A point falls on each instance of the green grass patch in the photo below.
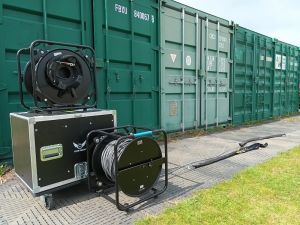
(3, 169)
(265, 194)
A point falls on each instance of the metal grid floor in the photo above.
(76, 205)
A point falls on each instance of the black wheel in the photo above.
(48, 201)
(128, 209)
(154, 190)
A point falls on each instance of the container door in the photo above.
(293, 79)
(21, 22)
(179, 69)
(253, 74)
(216, 67)
(286, 79)
(126, 44)
(296, 75)
(244, 88)
(264, 76)
(280, 81)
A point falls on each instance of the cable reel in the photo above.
(130, 162)
(58, 77)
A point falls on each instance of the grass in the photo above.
(265, 194)
(3, 169)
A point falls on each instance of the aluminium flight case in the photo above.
(49, 150)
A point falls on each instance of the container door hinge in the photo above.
(99, 63)
(155, 89)
(156, 49)
(229, 118)
(230, 61)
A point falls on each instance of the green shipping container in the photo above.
(21, 22)
(196, 68)
(265, 78)
(126, 39)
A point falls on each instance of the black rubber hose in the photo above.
(252, 147)
(230, 154)
(215, 159)
(242, 144)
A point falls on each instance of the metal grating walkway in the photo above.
(76, 206)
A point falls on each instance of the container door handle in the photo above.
(141, 78)
(117, 77)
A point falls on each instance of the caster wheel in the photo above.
(48, 201)
(154, 190)
(127, 210)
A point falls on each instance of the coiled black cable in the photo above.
(108, 157)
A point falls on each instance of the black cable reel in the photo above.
(132, 163)
(59, 77)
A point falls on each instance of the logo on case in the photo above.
(80, 146)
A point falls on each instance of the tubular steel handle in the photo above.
(20, 76)
(143, 134)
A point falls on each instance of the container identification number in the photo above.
(143, 16)
(137, 14)
(121, 9)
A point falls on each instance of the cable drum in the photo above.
(63, 77)
(139, 163)
(108, 157)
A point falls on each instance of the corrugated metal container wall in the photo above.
(286, 79)
(195, 68)
(21, 22)
(253, 76)
(127, 47)
(266, 77)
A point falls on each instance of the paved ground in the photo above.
(77, 206)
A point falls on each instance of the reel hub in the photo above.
(63, 77)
